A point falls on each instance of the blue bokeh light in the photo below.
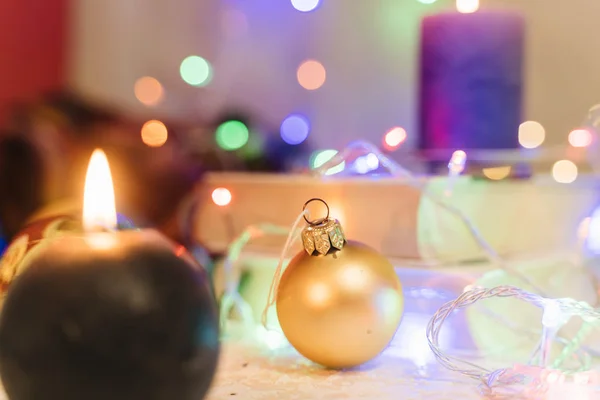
(295, 129)
(593, 232)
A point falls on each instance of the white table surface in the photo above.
(405, 371)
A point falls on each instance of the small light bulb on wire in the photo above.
(553, 319)
(553, 316)
(455, 167)
(394, 138)
(457, 162)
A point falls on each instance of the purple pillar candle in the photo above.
(471, 80)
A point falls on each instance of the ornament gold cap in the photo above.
(323, 235)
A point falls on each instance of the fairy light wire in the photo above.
(231, 298)
(572, 347)
(568, 307)
(415, 182)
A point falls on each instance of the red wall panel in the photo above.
(33, 48)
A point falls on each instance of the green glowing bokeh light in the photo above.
(320, 157)
(232, 135)
(196, 71)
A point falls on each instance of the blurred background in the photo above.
(174, 89)
(254, 49)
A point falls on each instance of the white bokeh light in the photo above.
(531, 134)
(564, 171)
(305, 5)
(467, 6)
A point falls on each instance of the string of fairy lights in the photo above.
(536, 377)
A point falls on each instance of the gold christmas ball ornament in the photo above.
(339, 302)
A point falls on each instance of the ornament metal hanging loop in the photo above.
(322, 235)
(316, 221)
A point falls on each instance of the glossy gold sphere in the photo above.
(342, 309)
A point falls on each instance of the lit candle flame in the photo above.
(99, 211)
(467, 6)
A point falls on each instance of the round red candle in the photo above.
(108, 314)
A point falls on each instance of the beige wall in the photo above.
(115, 42)
(563, 61)
(369, 48)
